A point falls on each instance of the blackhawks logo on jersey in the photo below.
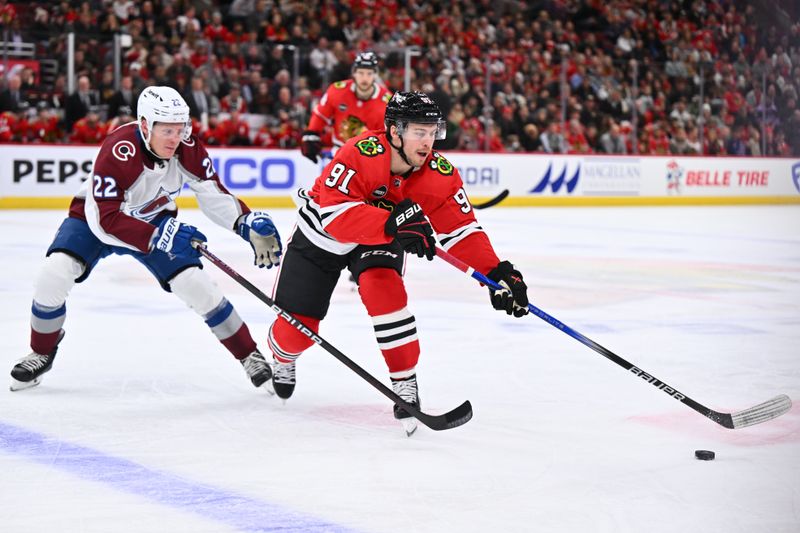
(351, 127)
(340, 84)
(440, 164)
(370, 146)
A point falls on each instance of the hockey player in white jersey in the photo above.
(127, 207)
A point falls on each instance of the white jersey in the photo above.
(129, 188)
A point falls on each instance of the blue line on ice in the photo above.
(240, 512)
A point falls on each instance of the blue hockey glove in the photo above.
(176, 238)
(513, 297)
(258, 230)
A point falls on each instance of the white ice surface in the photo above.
(146, 424)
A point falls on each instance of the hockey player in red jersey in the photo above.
(127, 207)
(383, 195)
(349, 107)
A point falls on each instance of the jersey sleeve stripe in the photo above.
(310, 223)
(329, 214)
(448, 240)
(327, 120)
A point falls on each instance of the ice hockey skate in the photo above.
(406, 388)
(257, 368)
(29, 370)
(283, 379)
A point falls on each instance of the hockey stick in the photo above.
(457, 417)
(748, 417)
(494, 201)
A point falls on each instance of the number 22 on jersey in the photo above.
(104, 187)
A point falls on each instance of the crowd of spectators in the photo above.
(562, 76)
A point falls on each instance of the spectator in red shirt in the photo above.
(215, 134)
(238, 130)
(267, 135)
(88, 130)
(44, 127)
(8, 127)
(217, 31)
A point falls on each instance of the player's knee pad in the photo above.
(286, 341)
(382, 291)
(56, 278)
(197, 290)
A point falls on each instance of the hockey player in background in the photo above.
(127, 207)
(349, 107)
(383, 195)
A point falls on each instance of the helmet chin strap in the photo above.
(146, 142)
(399, 149)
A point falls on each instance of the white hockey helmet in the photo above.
(162, 104)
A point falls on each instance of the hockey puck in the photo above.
(704, 455)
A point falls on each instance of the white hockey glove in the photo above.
(258, 230)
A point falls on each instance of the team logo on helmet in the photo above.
(366, 60)
(370, 146)
(440, 164)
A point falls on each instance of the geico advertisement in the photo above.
(53, 171)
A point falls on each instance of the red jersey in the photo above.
(349, 203)
(8, 126)
(43, 129)
(86, 132)
(348, 115)
(128, 188)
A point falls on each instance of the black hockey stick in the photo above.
(748, 417)
(494, 201)
(457, 417)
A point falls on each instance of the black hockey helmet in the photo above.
(413, 107)
(366, 60)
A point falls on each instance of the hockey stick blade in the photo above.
(749, 417)
(492, 202)
(754, 415)
(452, 419)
